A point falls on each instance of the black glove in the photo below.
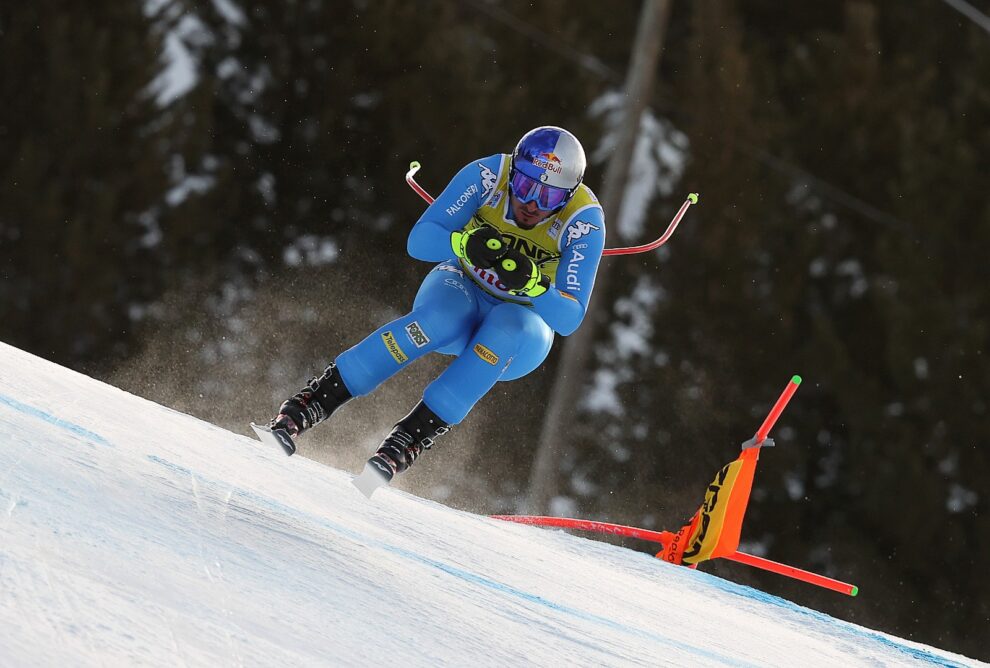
(482, 246)
(520, 275)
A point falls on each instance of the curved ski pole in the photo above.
(414, 167)
(630, 250)
(411, 180)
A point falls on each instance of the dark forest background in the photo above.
(203, 202)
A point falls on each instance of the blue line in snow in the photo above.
(454, 571)
(725, 585)
(52, 420)
(573, 612)
(762, 596)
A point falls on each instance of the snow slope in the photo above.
(133, 534)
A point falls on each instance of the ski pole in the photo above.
(411, 180)
(692, 198)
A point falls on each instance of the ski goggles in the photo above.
(527, 189)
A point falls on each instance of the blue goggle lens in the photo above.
(527, 189)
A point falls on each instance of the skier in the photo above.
(518, 240)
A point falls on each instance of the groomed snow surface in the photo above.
(131, 534)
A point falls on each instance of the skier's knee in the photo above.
(531, 338)
(521, 325)
(510, 319)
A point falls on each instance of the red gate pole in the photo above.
(792, 572)
(778, 408)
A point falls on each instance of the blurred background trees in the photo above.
(203, 203)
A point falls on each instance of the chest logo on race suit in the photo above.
(496, 198)
(527, 247)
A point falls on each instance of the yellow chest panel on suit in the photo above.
(541, 243)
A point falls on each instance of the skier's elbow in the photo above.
(567, 323)
(429, 241)
(568, 327)
(561, 311)
(418, 244)
(413, 247)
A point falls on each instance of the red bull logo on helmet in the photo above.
(549, 162)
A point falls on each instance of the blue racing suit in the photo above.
(464, 311)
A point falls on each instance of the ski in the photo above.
(371, 478)
(279, 437)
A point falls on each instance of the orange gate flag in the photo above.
(714, 530)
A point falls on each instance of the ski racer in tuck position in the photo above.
(518, 240)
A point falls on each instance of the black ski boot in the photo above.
(313, 404)
(410, 436)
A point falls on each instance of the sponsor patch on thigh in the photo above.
(416, 334)
(485, 354)
(393, 348)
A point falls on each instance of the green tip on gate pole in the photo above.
(693, 197)
(796, 380)
(854, 591)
